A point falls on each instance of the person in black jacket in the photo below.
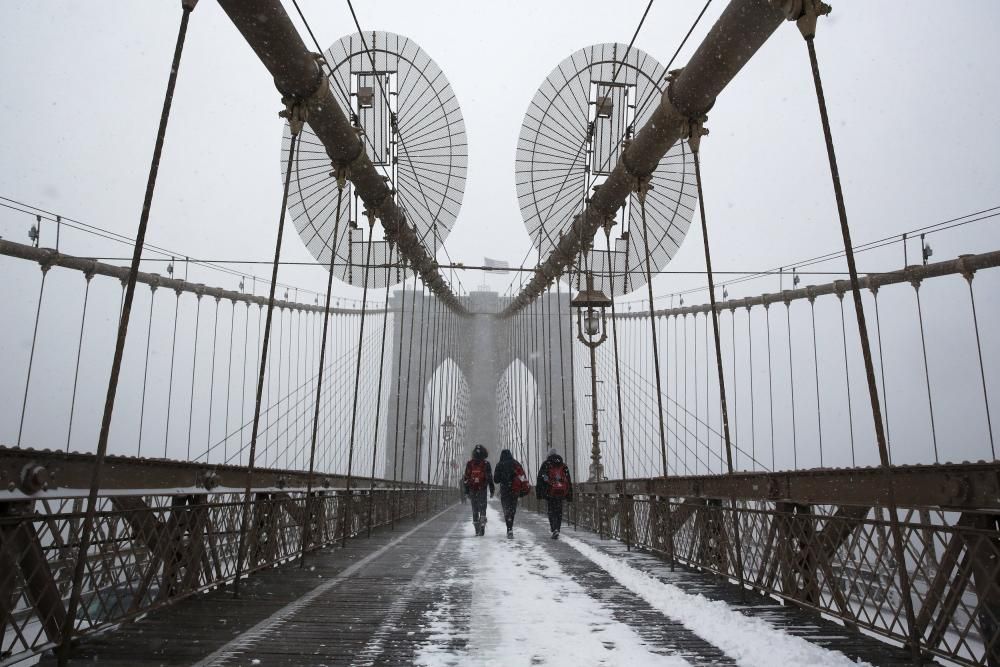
(555, 486)
(504, 475)
(477, 479)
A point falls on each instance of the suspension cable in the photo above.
(295, 123)
(102, 441)
(357, 380)
(31, 356)
(643, 187)
(695, 143)
(307, 521)
(807, 26)
(79, 349)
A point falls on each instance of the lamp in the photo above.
(592, 330)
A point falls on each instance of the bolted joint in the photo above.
(188, 5)
(34, 478)
(804, 13)
(696, 130)
(295, 112)
(643, 184)
(342, 173)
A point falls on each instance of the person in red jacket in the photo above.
(554, 486)
(477, 479)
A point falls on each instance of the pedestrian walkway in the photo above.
(434, 594)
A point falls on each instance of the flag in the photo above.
(494, 264)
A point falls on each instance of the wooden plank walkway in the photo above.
(431, 593)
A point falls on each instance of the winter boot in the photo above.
(555, 534)
(510, 533)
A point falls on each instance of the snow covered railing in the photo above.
(829, 556)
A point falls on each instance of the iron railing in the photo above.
(833, 558)
(154, 547)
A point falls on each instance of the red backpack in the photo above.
(558, 480)
(520, 486)
(475, 475)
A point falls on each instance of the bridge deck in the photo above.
(431, 593)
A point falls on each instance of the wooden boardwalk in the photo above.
(432, 593)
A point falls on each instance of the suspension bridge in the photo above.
(197, 474)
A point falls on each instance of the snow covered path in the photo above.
(535, 601)
(431, 593)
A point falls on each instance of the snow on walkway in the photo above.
(750, 641)
(524, 610)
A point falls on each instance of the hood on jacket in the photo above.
(505, 455)
(479, 453)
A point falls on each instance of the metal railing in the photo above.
(834, 558)
(154, 547)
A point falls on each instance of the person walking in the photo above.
(555, 486)
(513, 482)
(477, 479)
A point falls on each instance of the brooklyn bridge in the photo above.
(780, 431)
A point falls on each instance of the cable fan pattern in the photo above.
(414, 134)
(572, 136)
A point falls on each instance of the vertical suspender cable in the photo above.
(129, 292)
(982, 372)
(807, 26)
(145, 368)
(307, 513)
(562, 367)
(770, 381)
(847, 375)
(694, 142)
(229, 378)
(642, 190)
(31, 356)
(194, 368)
(79, 349)
(618, 387)
(399, 376)
(357, 379)
(170, 381)
(295, 123)
(819, 412)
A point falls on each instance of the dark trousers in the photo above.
(478, 506)
(555, 513)
(509, 502)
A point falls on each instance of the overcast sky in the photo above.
(912, 90)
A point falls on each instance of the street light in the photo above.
(592, 330)
(448, 434)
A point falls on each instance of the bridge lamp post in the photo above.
(448, 434)
(592, 330)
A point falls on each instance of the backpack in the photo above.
(520, 486)
(476, 476)
(558, 480)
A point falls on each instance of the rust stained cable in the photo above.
(129, 293)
